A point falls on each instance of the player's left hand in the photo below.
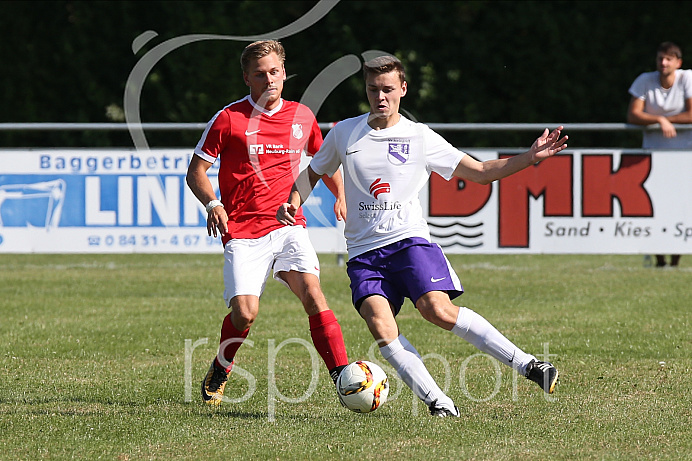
(548, 144)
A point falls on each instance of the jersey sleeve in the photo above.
(315, 140)
(441, 157)
(215, 134)
(686, 81)
(638, 87)
(327, 160)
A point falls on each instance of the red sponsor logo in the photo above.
(377, 187)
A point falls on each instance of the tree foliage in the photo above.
(467, 61)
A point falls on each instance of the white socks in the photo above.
(469, 326)
(410, 367)
(479, 332)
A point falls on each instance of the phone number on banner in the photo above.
(153, 241)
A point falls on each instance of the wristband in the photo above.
(213, 204)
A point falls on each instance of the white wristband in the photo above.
(213, 204)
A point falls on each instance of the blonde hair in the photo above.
(260, 49)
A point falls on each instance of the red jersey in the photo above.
(259, 153)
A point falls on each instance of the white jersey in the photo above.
(667, 102)
(384, 170)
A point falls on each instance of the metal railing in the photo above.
(326, 126)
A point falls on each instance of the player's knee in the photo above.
(243, 317)
(313, 299)
(429, 310)
(244, 320)
(435, 311)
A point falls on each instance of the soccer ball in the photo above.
(362, 387)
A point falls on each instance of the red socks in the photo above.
(324, 330)
(327, 338)
(231, 340)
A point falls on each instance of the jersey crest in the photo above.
(297, 130)
(398, 152)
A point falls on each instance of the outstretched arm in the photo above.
(302, 187)
(547, 145)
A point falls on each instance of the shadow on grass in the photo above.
(79, 405)
(337, 416)
(236, 414)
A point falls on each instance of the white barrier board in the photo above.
(129, 201)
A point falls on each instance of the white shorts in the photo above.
(248, 261)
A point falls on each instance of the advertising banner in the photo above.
(127, 201)
(591, 201)
(119, 201)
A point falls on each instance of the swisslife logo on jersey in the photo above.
(377, 187)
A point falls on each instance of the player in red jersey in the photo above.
(259, 141)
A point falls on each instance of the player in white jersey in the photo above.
(387, 159)
(382, 190)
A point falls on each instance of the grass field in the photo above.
(102, 356)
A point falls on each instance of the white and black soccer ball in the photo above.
(362, 386)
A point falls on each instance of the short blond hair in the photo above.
(260, 49)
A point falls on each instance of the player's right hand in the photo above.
(286, 214)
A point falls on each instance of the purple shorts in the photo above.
(405, 269)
